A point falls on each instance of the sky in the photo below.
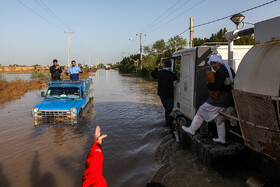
(33, 31)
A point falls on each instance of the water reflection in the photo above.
(4, 182)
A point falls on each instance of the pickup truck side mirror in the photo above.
(85, 94)
(43, 94)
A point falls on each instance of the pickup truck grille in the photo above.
(54, 113)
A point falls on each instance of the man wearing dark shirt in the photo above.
(165, 86)
(55, 70)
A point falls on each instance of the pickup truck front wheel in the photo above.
(80, 113)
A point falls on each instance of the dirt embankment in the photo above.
(15, 89)
(23, 69)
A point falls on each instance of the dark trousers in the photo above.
(168, 105)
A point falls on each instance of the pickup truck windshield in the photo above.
(63, 92)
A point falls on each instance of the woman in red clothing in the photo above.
(93, 173)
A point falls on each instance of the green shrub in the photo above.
(38, 75)
(2, 78)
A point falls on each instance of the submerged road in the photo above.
(138, 148)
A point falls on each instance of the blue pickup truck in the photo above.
(64, 99)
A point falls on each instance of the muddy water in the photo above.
(12, 77)
(138, 148)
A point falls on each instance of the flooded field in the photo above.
(12, 77)
(138, 148)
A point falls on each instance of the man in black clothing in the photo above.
(165, 86)
(55, 70)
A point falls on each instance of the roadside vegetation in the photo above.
(158, 51)
(2, 78)
(38, 75)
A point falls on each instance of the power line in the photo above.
(161, 15)
(231, 15)
(183, 32)
(219, 19)
(43, 5)
(36, 13)
(169, 14)
(178, 16)
(137, 52)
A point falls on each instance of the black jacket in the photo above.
(55, 72)
(225, 96)
(165, 82)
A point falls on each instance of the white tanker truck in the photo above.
(255, 124)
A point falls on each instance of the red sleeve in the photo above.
(93, 172)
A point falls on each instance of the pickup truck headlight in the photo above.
(34, 112)
(73, 112)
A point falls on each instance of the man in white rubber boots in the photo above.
(219, 87)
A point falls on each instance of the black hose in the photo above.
(246, 32)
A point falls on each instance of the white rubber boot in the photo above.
(221, 130)
(196, 123)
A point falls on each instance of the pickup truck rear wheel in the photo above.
(91, 96)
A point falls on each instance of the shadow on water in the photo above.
(4, 182)
(69, 164)
(37, 179)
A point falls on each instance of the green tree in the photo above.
(245, 40)
(220, 37)
(128, 64)
(148, 50)
(159, 46)
(176, 43)
(199, 41)
(100, 65)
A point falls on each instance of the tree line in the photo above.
(159, 50)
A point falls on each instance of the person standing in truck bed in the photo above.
(55, 70)
(74, 71)
(165, 86)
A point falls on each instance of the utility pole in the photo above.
(141, 48)
(191, 31)
(89, 61)
(69, 33)
(96, 62)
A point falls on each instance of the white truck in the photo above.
(254, 131)
(191, 89)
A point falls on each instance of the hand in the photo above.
(97, 135)
(57, 67)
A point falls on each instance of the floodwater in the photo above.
(138, 148)
(24, 77)
(12, 77)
